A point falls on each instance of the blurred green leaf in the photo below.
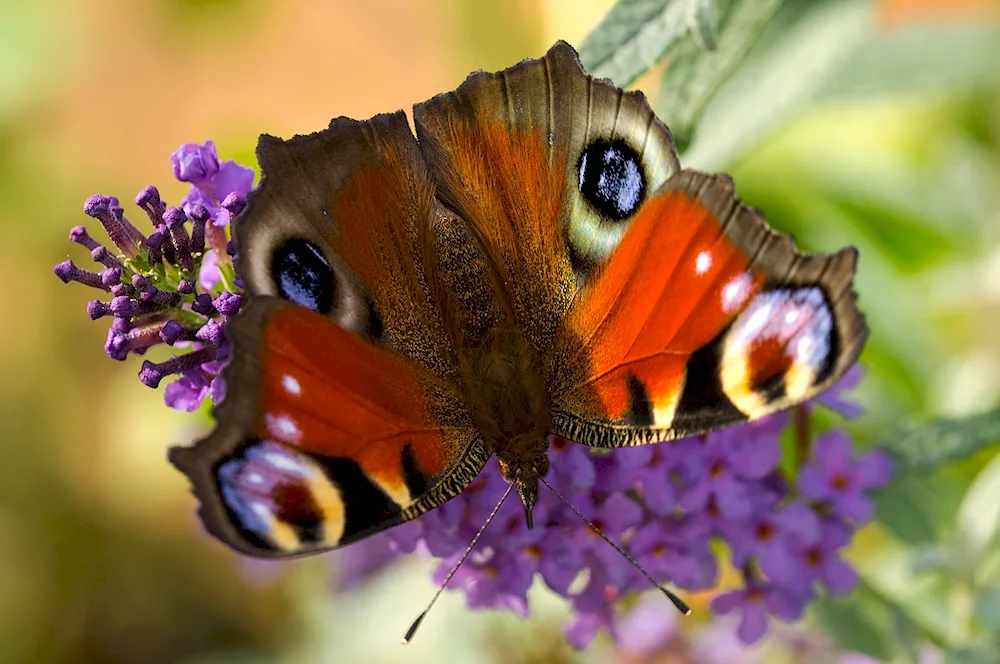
(632, 37)
(988, 607)
(902, 508)
(804, 44)
(703, 20)
(920, 58)
(979, 514)
(924, 446)
(693, 74)
(931, 559)
(846, 620)
(909, 244)
(980, 654)
(905, 633)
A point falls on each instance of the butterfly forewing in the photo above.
(344, 414)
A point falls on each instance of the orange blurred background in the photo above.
(101, 559)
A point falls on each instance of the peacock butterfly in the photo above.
(534, 261)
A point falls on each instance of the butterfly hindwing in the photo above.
(343, 415)
(703, 317)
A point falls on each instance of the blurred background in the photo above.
(875, 124)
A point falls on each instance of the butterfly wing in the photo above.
(342, 416)
(702, 317)
(516, 155)
(653, 295)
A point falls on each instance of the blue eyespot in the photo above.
(303, 275)
(612, 178)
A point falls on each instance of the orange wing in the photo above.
(343, 414)
(702, 317)
(342, 439)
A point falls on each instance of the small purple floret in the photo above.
(195, 163)
(200, 217)
(203, 305)
(174, 219)
(155, 296)
(154, 245)
(67, 271)
(123, 307)
(151, 374)
(149, 200)
(111, 276)
(97, 309)
(212, 332)
(104, 209)
(79, 235)
(101, 255)
(228, 304)
(96, 206)
(172, 332)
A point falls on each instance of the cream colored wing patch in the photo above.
(777, 350)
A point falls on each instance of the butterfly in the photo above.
(533, 261)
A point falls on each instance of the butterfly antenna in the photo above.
(677, 601)
(416, 623)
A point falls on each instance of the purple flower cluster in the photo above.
(649, 635)
(666, 504)
(174, 285)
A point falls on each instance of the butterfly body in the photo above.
(511, 407)
(532, 262)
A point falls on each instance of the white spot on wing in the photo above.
(735, 293)
(703, 262)
(284, 462)
(291, 385)
(283, 428)
(262, 511)
(758, 319)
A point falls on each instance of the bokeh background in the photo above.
(891, 143)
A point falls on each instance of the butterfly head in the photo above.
(526, 460)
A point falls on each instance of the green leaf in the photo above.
(950, 55)
(932, 559)
(778, 79)
(905, 633)
(979, 654)
(902, 508)
(988, 608)
(909, 244)
(632, 37)
(693, 75)
(918, 447)
(979, 514)
(846, 620)
(703, 21)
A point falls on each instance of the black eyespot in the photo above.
(612, 179)
(303, 275)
